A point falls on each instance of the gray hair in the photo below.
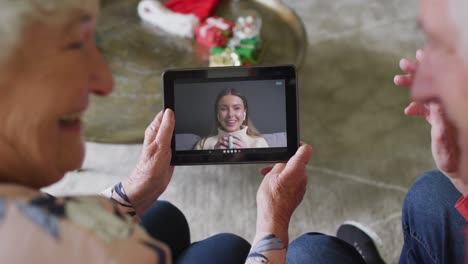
(15, 15)
(458, 13)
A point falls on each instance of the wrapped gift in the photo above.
(224, 57)
(247, 55)
(215, 31)
(247, 49)
(217, 50)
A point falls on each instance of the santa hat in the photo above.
(200, 8)
(178, 17)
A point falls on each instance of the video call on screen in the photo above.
(200, 120)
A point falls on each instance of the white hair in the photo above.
(458, 12)
(15, 15)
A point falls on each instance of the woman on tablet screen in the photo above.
(233, 128)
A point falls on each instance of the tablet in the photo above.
(232, 115)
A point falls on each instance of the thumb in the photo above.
(166, 129)
(437, 118)
(152, 130)
(298, 162)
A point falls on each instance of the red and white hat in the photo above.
(177, 17)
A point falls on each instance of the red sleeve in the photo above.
(462, 206)
(466, 246)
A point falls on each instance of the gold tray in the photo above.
(138, 54)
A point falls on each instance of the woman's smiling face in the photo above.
(45, 93)
(231, 113)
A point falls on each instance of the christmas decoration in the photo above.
(248, 27)
(215, 31)
(224, 57)
(177, 17)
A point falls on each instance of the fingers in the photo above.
(220, 145)
(265, 170)
(223, 143)
(152, 129)
(278, 168)
(419, 55)
(238, 143)
(164, 135)
(300, 159)
(298, 162)
(409, 66)
(415, 109)
(403, 80)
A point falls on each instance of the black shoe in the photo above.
(361, 239)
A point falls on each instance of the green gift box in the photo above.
(247, 55)
(248, 50)
(217, 50)
(249, 43)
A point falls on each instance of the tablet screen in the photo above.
(231, 119)
(242, 111)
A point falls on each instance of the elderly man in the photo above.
(435, 211)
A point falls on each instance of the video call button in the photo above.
(231, 151)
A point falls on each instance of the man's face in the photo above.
(443, 72)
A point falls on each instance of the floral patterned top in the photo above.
(39, 228)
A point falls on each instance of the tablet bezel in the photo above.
(219, 74)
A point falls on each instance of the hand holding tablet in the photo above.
(232, 114)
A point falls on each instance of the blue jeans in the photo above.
(432, 227)
(166, 223)
(321, 249)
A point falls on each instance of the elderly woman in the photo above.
(49, 66)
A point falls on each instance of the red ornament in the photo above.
(215, 31)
